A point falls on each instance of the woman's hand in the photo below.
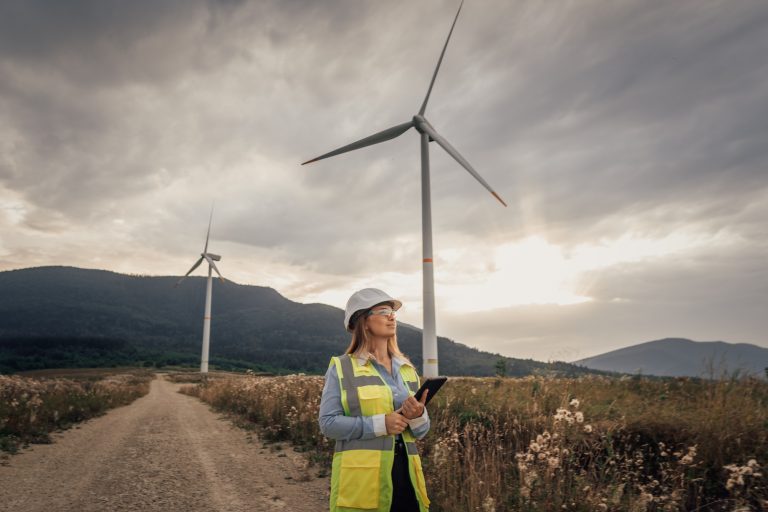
(413, 408)
(395, 423)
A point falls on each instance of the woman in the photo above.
(369, 409)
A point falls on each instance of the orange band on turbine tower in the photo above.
(427, 260)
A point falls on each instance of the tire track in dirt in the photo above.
(165, 451)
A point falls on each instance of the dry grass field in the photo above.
(537, 444)
(32, 407)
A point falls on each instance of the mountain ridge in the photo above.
(54, 310)
(677, 357)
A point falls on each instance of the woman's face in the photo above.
(381, 321)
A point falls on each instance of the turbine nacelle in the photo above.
(214, 257)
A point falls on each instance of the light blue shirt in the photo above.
(333, 422)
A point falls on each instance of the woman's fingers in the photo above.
(414, 408)
(395, 423)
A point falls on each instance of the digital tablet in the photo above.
(432, 385)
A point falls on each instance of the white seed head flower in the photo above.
(563, 414)
(575, 403)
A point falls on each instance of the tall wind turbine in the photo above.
(427, 134)
(210, 258)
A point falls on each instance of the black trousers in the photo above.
(403, 495)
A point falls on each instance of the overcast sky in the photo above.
(629, 138)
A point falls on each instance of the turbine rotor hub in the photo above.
(419, 122)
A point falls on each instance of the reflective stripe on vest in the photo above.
(350, 382)
(361, 477)
(384, 443)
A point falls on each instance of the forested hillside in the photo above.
(63, 316)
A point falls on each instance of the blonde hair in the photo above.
(361, 343)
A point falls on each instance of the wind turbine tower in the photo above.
(210, 258)
(427, 134)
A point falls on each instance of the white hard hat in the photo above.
(366, 299)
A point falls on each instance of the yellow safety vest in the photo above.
(362, 470)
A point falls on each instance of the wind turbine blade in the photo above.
(208, 234)
(384, 135)
(214, 267)
(197, 264)
(440, 61)
(457, 156)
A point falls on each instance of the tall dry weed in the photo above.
(539, 444)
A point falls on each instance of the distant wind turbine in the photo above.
(428, 134)
(210, 258)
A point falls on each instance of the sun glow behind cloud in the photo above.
(529, 271)
(536, 271)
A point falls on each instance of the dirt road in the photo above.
(165, 452)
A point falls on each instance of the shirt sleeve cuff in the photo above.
(418, 422)
(379, 425)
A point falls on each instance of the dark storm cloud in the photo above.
(101, 97)
(627, 108)
(667, 134)
(643, 103)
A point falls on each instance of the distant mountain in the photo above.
(681, 357)
(68, 317)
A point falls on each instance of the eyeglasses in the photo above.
(383, 312)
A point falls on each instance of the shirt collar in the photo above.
(364, 357)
